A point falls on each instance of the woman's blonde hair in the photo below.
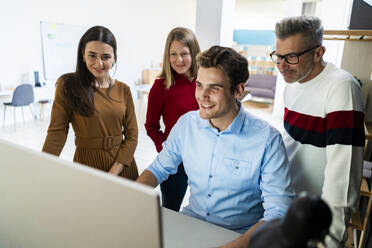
(188, 38)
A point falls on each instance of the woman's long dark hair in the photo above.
(80, 86)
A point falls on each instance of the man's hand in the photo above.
(147, 178)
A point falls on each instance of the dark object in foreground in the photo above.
(305, 224)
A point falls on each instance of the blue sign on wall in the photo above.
(254, 37)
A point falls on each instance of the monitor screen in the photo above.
(49, 202)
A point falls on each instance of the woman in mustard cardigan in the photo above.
(99, 108)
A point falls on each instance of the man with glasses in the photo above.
(323, 120)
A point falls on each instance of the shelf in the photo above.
(348, 35)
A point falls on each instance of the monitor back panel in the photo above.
(48, 202)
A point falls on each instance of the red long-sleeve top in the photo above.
(171, 104)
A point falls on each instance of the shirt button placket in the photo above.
(210, 182)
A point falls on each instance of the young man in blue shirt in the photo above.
(236, 164)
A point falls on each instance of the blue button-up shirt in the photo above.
(237, 176)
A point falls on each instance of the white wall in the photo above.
(214, 22)
(258, 15)
(140, 28)
(209, 34)
(339, 19)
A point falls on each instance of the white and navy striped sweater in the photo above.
(324, 137)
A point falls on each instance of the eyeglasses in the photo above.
(290, 58)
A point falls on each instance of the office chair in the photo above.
(23, 96)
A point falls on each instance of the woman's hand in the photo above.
(116, 168)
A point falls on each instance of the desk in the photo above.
(39, 92)
(6, 93)
(181, 231)
(45, 92)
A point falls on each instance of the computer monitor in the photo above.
(48, 202)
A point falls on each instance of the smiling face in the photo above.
(301, 72)
(180, 58)
(99, 58)
(213, 94)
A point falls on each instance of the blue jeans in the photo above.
(173, 189)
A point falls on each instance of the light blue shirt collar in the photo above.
(234, 127)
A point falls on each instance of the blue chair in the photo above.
(23, 96)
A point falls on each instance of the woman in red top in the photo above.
(171, 96)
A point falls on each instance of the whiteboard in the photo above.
(59, 44)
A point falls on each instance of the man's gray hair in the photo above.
(309, 26)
